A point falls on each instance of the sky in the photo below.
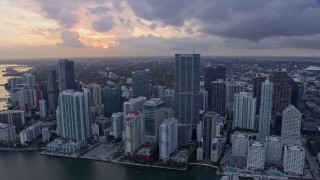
(94, 28)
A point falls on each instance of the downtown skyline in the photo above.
(96, 28)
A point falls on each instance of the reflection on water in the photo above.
(3, 79)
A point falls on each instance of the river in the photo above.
(33, 166)
(3, 79)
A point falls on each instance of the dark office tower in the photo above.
(187, 88)
(257, 82)
(53, 92)
(218, 97)
(66, 74)
(213, 73)
(111, 99)
(209, 133)
(140, 83)
(282, 90)
(298, 93)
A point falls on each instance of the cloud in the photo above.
(99, 10)
(103, 24)
(245, 19)
(70, 38)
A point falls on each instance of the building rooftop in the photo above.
(257, 144)
(5, 126)
(153, 102)
(294, 147)
(132, 114)
(134, 100)
(240, 135)
(313, 68)
(274, 138)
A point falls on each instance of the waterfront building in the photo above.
(13, 117)
(66, 147)
(30, 133)
(46, 134)
(209, 133)
(7, 133)
(117, 124)
(140, 83)
(291, 123)
(111, 99)
(153, 116)
(265, 115)
(240, 144)
(66, 74)
(187, 89)
(244, 110)
(133, 132)
(256, 155)
(74, 115)
(168, 139)
(274, 148)
(293, 159)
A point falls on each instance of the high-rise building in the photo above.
(66, 74)
(274, 148)
(95, 95)
(140, 83)
(133, 132)
(158, 91)
(256, 155)
(282, 89)
(240, 144)
(29, 80)
(187, 88)
(168, 138)
(209, 133)
(134, 104)
(111, 99)
(298, 93)
(117, 124)
(53, 92)
(213, 73)
(244, 110)
(30, 133)
(293, 159)
(232, 88)
(291, 123)
(218, 97)
(257, 84)
(73, 116)
(13, 117)
(43, 108)
(46, 134)
(265, 115)
(153, 116)
(204, 100)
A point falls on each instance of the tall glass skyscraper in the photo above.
(140, 83)
(265, 115)
(73, 116)
(111, 99)
(66, 74)
(53, 92)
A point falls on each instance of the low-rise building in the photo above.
(59, 146)
(13, 117)
(30, 133)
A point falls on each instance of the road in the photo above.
(312, 162)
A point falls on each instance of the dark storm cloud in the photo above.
(70, 38)
(103, 24)
(245, 19)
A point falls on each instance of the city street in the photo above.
(313, 164)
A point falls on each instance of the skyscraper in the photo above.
(43, 108)
(66, 74)
(244, 110)
(213, 73)
(153, 116)
(265, 115)
(291, 123)
(187, 88)
(117, 124)
(187, 93)
(240, 144)
(29, 80)
(134, 104)
(140, 83)
(257, 83)
(73, 116)
(133, 132)
(282, 89)
(218, 97)
(232, 88)
(111, 99)
(168, 138)
(95, 95)
(298, 93)
(209, 133)
(53, 92)
(274, 148)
